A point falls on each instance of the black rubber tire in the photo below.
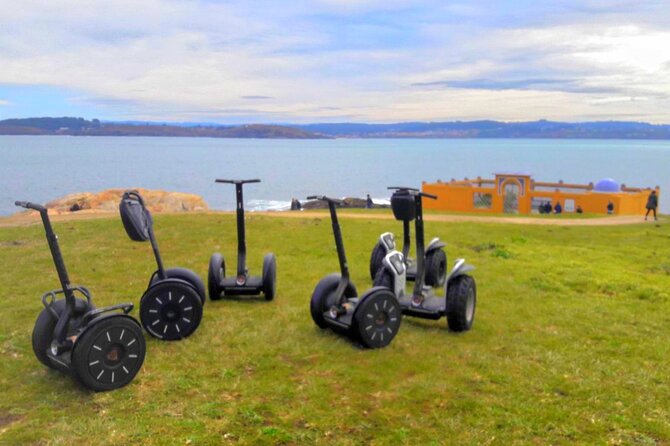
(187, 276)
(118, 337)
(461, 303)
(384, 278)
(377, 319)
(170, 310)
(269, 276)
(43, 331)
(323, 297)
(216, 273)
(376, 259)
(436, 268)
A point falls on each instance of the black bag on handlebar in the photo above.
(402, 203)
(135, 216)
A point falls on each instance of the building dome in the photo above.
(607, 185)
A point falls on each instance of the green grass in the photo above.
(570, 344)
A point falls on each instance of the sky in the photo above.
(336, 60)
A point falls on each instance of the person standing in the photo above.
(610, 207)
(652, 204)
(368, 202)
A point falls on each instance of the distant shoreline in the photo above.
(486, 129)
(544, 138)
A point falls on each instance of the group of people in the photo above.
(547, 208)
(652, 205)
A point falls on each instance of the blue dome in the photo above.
(607, 185)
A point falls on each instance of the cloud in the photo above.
(4, 102)
(566, 85)
(369, 60)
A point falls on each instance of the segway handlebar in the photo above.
(256, 180)
(324, 198)
(413, 191)
(402, 188)
(133, 194)
(29, 205)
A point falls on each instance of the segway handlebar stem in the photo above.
(337, 233)
(241, 233)
(52, 239)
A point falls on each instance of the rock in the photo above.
(108, 201)
(348, 202)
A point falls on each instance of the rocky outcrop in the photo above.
(348, 202)
(108, 201)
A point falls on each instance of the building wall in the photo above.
(459, 197)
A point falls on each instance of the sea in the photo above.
(42, 168)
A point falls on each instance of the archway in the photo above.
(511, 192)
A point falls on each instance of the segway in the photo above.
(435, 260)
(102, 347)
(373, 319)
(460, 296)
(242, 284)
(171, 306)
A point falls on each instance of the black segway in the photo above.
(242, 284)
(102, 347)
(373, 319)
(460, 299)
(435, 259)
(171, 306)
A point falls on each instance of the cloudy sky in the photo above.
(336, 60)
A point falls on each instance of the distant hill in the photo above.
(82, 127)
(495, 129)
(455, 129)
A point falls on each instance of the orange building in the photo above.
(518, 193)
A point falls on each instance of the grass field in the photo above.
(570, 344)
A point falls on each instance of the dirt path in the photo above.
(556, 221)
(30, 218)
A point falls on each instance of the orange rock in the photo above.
(108, 201)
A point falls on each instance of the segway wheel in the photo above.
(217, 271)
(269, 276)
(170, 310)
(377, 319)
(109, 353)
(43, 331)
(376, 259)
(461, 303)
(187, 276)
(436, 268)
(323, 297)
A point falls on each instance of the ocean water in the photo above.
(41, 168)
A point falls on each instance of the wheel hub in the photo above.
(171, 312)
(381, 318)
(114, 354)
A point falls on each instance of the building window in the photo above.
(482, 201)
(569, 205)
